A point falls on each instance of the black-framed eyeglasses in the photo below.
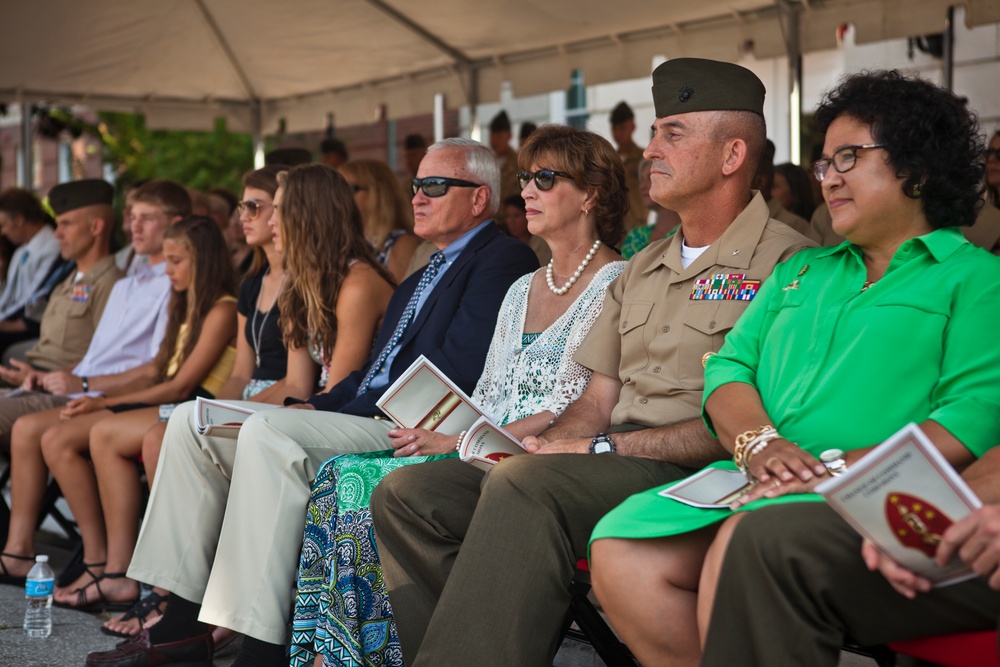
(843, 160)
(251, 207)
(544, 178)
(437, 186)
(992, 153)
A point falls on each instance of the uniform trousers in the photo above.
(24, 404)
(478, 566)
(793, 589)
(225, 518)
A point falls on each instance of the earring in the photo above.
(917, 190)
(586, 212)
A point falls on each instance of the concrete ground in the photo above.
(75, 634)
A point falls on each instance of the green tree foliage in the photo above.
(200, 160)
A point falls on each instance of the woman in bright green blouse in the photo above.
(840, 349)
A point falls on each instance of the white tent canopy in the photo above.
(186, 62)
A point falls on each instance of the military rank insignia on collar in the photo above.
(81, 293)
(725, 287)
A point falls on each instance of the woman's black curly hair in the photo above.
(932, 139)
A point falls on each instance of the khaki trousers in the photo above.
(225, 518)
(478, 566)
(793, 588)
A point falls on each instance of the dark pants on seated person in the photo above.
(478, 567)
(794, 588)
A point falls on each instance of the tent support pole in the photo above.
(791, 15)
(257, 134)
(948, 57)
(26, 173)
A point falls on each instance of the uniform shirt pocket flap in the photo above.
(634, 314)
(717, 319)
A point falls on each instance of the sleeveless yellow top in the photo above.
(216, 377)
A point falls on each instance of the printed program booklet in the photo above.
(221, 419)
(486, 444)
(902, 496)
(712, 488)
(424, 397)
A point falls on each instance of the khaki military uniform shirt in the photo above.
(508, 183)
(822, 223)
(541, 248)
(796, 222)
(652, 335)
(985, 233)
(75, 307)
(638, 214)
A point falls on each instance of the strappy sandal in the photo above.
(139, 611)
(75, 571)
(102, 604)
(6, 577)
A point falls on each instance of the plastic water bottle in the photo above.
(38, 594)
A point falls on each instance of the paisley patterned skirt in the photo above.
(342, 608)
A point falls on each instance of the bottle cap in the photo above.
(41, 558)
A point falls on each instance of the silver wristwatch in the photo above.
(834, 461)
(602, 444)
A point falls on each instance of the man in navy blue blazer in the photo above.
(241, 503)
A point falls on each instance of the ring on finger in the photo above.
(777, 482)
(767, 463)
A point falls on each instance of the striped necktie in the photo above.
(433, 266)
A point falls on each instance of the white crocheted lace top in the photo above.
(522, 380)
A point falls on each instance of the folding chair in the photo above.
(967, 649)
(592, 628)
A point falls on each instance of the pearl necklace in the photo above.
(559, 291)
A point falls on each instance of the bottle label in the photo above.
(39, 588)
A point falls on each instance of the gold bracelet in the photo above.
(744, 439)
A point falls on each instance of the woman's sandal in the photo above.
(102, 604)
(75, 571)
(139, 611)
(6, 577)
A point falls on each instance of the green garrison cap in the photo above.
(500, 123)
(684, 85)
(77, 194)
(621, 114)
(288, 157)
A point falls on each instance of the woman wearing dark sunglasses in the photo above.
(574, 189)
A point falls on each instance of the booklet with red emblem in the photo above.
(486, 444)
(902, 496)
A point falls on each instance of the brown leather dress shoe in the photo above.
(139, 652)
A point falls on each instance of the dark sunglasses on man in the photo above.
(544, 178)
(437, 186)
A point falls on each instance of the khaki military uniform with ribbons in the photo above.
(75, 307)
(637, 211)
(660, 319)
(796, 222)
